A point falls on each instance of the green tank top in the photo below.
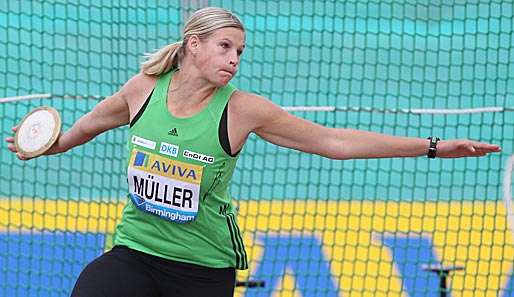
(178, 173)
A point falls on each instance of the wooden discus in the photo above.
(38, 131)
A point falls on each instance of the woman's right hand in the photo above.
(12, 147)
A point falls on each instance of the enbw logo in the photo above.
(169, 149)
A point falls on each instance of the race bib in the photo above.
(166, 188)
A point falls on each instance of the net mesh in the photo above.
(312, 226)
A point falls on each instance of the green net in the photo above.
(312, 226)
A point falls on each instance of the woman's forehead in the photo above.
(234, 34)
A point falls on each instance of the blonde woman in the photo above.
(178, 235)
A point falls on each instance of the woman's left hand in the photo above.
(459, 148)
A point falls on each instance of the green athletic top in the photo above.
(179, 207)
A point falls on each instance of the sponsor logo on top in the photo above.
(143, 142)
(169, 149)
(173, 132)
(198, 157)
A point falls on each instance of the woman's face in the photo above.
(218, 56)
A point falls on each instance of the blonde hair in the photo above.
(202, 23)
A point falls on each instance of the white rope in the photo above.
(298, 108)
(396, 111)
(309, 108)
(25, 97)
(457, 111)
(507, 193)
(46, 96)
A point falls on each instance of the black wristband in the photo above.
(433, 146)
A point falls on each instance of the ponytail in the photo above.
(163, 60)
(202, 23)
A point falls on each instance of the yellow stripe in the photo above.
(473, 234)
(43, 214)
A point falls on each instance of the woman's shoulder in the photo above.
(250, 102)
(253, 110)
(137, 89)
(138, 85)
(141, 80)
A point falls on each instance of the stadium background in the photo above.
(313, 227)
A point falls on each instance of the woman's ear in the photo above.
(193, 43)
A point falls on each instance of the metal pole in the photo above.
(442, 271)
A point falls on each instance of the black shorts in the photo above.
(126, 272)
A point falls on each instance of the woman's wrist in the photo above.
(432, 147)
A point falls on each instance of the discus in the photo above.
(38, 131)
